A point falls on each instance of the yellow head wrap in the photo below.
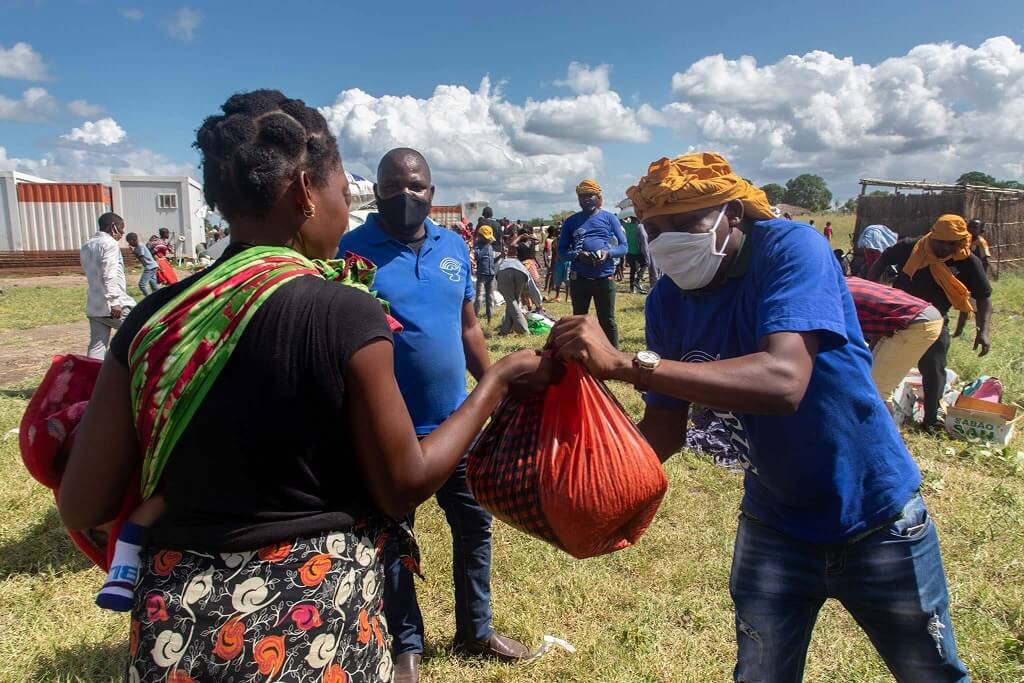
(691, 182)
(588, 186)
(487, 233)
(948, 228)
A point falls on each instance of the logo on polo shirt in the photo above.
(452, 268)
(737, 434)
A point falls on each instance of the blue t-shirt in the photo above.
(145, 257)
(426, 291)
(599, 231)
(836, 467)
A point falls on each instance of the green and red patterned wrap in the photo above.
(179, 353)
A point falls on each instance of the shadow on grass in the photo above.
(18, 393)
(83, 662)
(45, 546)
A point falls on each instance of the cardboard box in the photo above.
(970, 418)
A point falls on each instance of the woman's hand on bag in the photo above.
(580, 338)
(526, 371)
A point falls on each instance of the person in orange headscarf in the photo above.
(941, 269)
(980, 248)
(592, 241)
(753, 318)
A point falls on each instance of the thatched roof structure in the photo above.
(913, 206)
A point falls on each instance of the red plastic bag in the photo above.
(47, 435)
(569, 467)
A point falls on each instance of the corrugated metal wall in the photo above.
(56, 216)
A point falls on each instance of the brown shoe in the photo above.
(495, 646)
(407, 668)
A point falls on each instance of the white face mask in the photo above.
(690, 259)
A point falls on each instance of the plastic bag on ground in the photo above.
(569, 467)
(539, 324)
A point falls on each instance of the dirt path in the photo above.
(26, 354)
(44, 281)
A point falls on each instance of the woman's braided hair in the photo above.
(257, 145)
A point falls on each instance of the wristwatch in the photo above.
(645, 362)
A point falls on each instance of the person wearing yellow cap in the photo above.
(483, 253)
(592, 241)
(940, 269)
(753, 318)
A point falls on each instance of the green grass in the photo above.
(657, 612)
(842, 226)
(22, 308)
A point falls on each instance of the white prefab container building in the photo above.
(15, 235)
(148, 203)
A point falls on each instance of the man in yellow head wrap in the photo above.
(940, 269)
(592, 241)
(754, 319)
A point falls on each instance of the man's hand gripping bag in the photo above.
(569, 467)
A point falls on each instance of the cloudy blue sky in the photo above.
(516, 102)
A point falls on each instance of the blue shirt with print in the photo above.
(599, 231)
(837, 466)
(145, 257)
(426, 290)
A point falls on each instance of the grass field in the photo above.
(657, 612)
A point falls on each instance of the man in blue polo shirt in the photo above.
(593, 240)
(424, 273)
(753, 319)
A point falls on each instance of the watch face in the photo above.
(648, 357)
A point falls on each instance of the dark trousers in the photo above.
(933, 374)
(602, 292)
(891, 581)
(471, 572)
(486, 283)
(637, 265)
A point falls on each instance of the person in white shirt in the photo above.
(513, 279)
(108, 303)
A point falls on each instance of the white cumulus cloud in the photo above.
(478, 145)
(597, 117)
(523, 157)
(23, 63)
(94, 164)
(104, 132)
(183, 23)
(84, 109)
(34, 105)
(939, 110)
(584, 79)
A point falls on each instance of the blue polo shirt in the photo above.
(599, 231)
(426, 291)
(838, 466)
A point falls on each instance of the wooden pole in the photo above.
(999, 240)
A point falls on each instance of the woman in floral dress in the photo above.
(258, 399)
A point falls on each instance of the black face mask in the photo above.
(403, 212)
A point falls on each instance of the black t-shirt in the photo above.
(969, 271)
(268, 455)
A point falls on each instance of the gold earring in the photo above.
(309, 211)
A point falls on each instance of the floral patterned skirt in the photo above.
(310, 610)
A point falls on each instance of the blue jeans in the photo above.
(148, 279)
(471, 570)
(891, 581)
